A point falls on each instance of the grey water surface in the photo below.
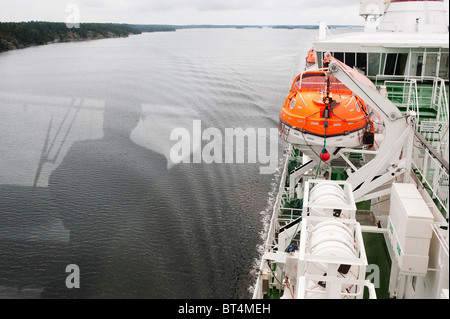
(86, 174)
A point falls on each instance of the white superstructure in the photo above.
(408, 40)
(415, 17)
(317, 250)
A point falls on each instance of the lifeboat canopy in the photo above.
(320, 105)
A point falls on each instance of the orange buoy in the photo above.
(325, 156)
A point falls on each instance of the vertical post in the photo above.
(408, 64)
(416, 95)
(439, 102)
(445, 101)
(409, 147)
(333, 288)
(322, 30)
(393, 279)
(424, 64)
(426, 155)
(401, 286)
(409, 95)
(438, 62)
(436, 178)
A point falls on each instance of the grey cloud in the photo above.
(188, 11)
(201, 5)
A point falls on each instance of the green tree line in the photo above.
(15, 35)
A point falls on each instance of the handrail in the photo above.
(431, 149)
(420, 78)
(433, 170)
(437, 101)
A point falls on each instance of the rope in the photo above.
(324, 147)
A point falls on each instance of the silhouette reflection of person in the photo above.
(111, 195)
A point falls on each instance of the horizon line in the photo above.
(193, 24)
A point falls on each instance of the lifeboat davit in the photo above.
(320, 110)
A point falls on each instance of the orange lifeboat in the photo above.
(311, 58)
(321, 106)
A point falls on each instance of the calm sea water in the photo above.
(86, 176)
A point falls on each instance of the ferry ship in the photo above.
(362, 206)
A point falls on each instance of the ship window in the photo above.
(419, 65)
(400, 64)
(443, 67)
(361, 62)
(430, 66)
(396, 63)
(319, 58)
(382, 62)
(339, 56)
(390, 64)
(350, 59)
(374, 64)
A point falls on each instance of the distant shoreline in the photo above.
(20, 35)
(13, 46)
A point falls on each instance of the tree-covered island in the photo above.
(17, 35)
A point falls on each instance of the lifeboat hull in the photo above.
(293, 135)
(320, 110)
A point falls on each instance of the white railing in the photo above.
(439, 100)
(406, 93)
(282, 215)
(283, 193)
(274, 223)
(434, 173)
(436, 133)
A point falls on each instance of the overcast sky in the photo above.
(241, 12)
(253, 12)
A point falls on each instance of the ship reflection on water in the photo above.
(106, 209)
(135, 228)
(108, 195)
(77, 188)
